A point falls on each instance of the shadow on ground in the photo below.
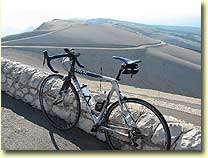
(76, 136)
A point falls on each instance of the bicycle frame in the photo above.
(97, 120)
(115, 88)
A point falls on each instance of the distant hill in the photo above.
(183, 36)
(78, 34)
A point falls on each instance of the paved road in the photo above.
(142, 46)
(26, 128)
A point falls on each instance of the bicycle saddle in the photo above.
(126, 60)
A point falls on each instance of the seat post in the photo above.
(119, 73)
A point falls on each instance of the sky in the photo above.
(21, 14)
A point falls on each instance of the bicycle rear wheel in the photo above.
(140, 127)
(64, 113)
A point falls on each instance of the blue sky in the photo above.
(21, 14)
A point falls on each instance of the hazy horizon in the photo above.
(22, 14)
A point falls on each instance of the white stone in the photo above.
(25, 76)
(4, 86)
(83, 107)
(87, 115)
(8, 67)
(4, 62)
(19, 93)
(28, 98)
(3, 77)
(11, 90)
(159, 134)
(33, 91)
(37, 104)
(9, 81)
(86, 125)
(16, 85)
(36, 80)
(146, 123)
(101, 136)
(69, 98)
(170, 119)
(190, 140)
(25, 90)
(175, 130)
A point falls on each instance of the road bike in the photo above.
(128, 123)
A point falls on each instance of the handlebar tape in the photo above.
(79, 64)
(48, 59)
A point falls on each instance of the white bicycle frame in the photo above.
(97, 120)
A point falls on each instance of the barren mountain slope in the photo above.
(81, 34)
(164, 67)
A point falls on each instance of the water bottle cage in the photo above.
(88, 99)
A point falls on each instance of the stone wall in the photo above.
(23, 82)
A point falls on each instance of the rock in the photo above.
(159, 134)
(4, 87)
(25, 90)
(36, 79)
(190, 140)
(9, 67)
(11, 90)
(19, 94)
(4, 61)
(170, 118)
(9, 81)
(86, 125)
(101, 136)
(17, 71)
(28, 98)
(175, 130)
(83, 106)
(33, 91)
(69, 98)
(37, 104)
(146, 123)
(16, 85)
(24, 78)
(3, 78)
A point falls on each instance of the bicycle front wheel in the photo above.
(63, 112)
(140, 127)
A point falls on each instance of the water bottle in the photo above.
(88, 95)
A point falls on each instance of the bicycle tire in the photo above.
(148, 106)
(53, 118)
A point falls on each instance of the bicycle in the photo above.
(121, 121)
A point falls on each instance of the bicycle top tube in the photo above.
(94, 75)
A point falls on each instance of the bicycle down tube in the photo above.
(97, 119)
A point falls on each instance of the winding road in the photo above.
(142, 46)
